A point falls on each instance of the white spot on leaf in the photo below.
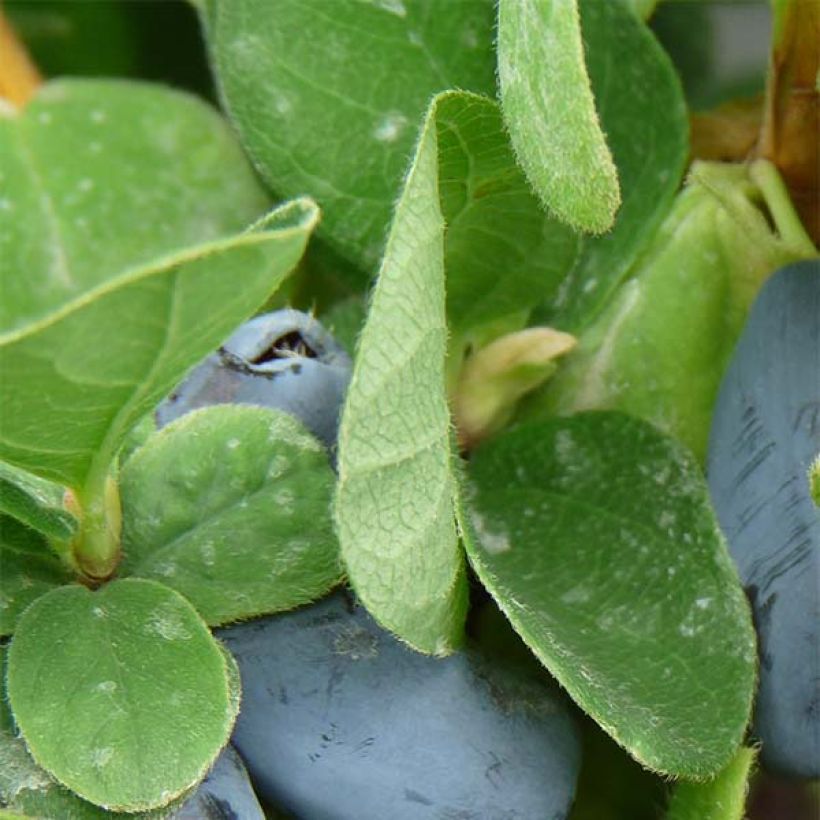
(392, 6)
(493, 542)
(577, 595)
(208, 554)
(278, 465)
(167, 623)
(284, 500)
(101, 757)
(390, 127)
(282, 104)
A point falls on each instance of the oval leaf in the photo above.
(394, 503)
(100, 176)
(28, 789)
(596, 537)
(306, 86)
(28, 569)
(549, 108)
(111, 355)
(131, 704)
(230, 506)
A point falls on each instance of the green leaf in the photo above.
(326, 96)
(102, 176)
(29, 791)
(136, 437)
(596, 537)
(503, 254)
(230, 506)
(723, 798)
(345, 320)
(660, 347)
(634, 82)
(643, 8)
(35, 502)
(131, 704)
(28, 569)
(394, 502)
(611, 785)
(106, 358)
(549, 109)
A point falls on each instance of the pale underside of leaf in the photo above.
(394, 503)
(634, 81)
(549, 109)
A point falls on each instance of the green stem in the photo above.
(97, 550)
(764, 174)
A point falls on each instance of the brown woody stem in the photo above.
(790, 136)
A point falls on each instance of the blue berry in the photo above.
(765, 435)
(340, 721)
(284, 360)
(225, 794)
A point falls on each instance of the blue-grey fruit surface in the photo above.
(285, 360)
(764, 438)
(340, 721)
(225, 794)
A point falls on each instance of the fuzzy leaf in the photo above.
(549, 108)
(394, 502)
(633, 81)
(596, 537)
(100, 176)
(106, 358)
(230, 506)
(503, 254)
(88, 711)
(326, 97)
(723, 798)
(35, 502)
(28, 569)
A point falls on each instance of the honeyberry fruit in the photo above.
(284, 360)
